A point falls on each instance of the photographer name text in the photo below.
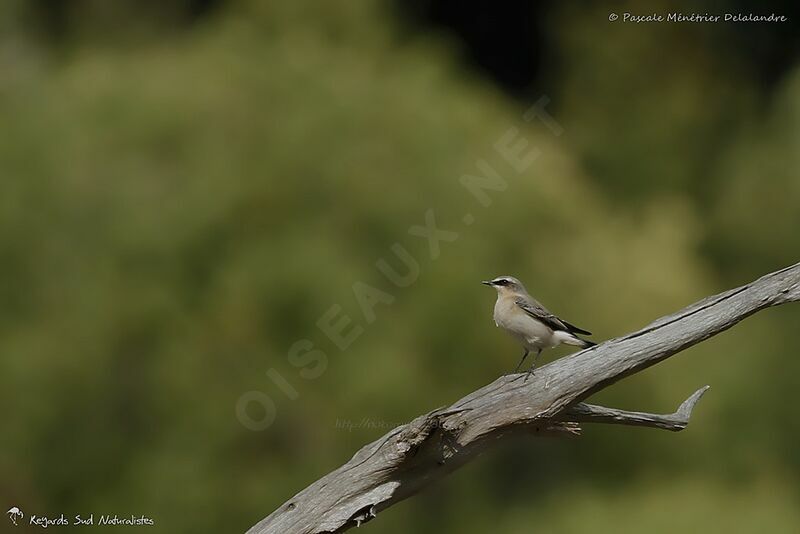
(677, 17)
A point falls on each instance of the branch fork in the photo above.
(412, 456)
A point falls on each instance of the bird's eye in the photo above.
(502, 282)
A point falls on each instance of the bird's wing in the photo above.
(539, 312)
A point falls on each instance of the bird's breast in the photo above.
(510, 317)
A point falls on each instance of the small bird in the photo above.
(529, 322)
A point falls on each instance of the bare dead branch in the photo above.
(589, 413)
(412, 456)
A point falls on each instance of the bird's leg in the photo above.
(525, 355)
(533, 364)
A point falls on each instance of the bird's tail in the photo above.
(572, 339)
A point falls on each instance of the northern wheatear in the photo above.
(529, 322)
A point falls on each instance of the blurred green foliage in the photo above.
(179, 206)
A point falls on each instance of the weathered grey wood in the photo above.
(414, 455)
(589, 413)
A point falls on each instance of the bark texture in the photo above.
(411, 456)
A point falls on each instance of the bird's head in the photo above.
(505, 285)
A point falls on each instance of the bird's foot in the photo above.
(528, 375)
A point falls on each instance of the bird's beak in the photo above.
(486, 282)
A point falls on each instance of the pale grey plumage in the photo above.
(527, 320)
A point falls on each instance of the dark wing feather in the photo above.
(537, 311)
(575, 330)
